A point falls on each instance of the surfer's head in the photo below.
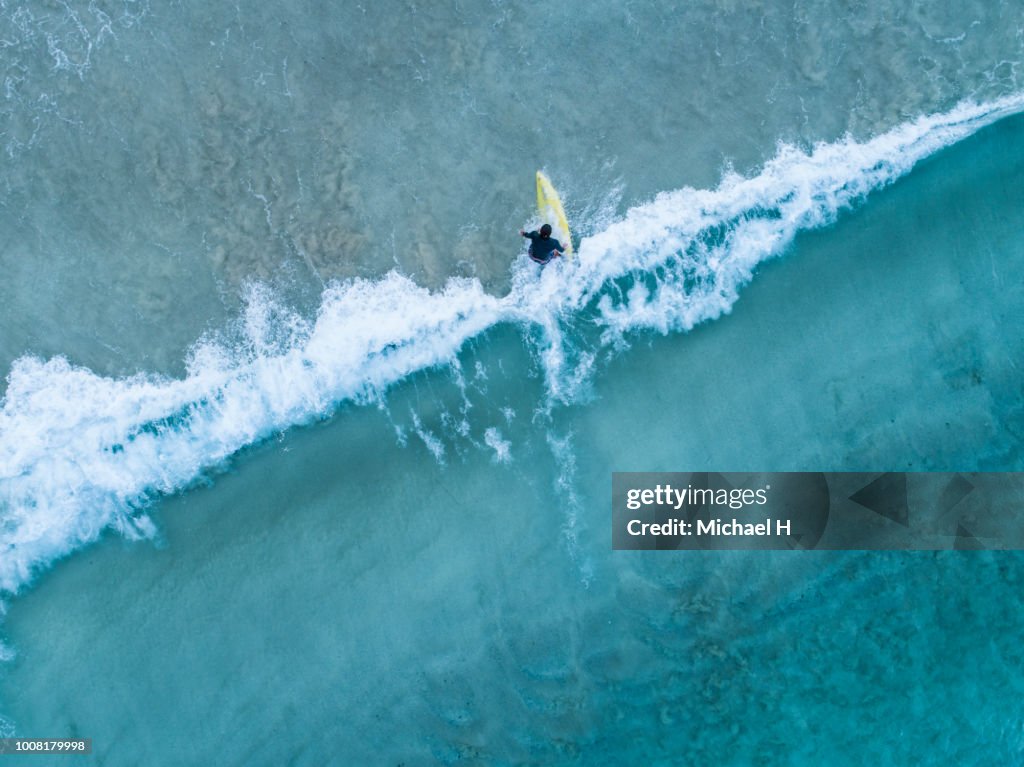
(545, 231)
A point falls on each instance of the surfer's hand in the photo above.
(522, 233)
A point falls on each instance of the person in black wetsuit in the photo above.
(543, 247)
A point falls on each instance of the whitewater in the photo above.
(81, 454)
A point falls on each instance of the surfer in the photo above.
(543, 247)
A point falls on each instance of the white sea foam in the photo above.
(80, 453)
(502, 447)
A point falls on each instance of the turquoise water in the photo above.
(266, 501)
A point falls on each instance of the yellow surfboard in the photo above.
(549, 206)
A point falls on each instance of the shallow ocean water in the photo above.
(158, 157)
(421, 572)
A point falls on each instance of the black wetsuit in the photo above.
(541, 247)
